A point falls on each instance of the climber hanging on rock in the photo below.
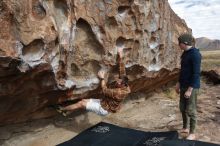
(112, 96)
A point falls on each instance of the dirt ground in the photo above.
(157, 111)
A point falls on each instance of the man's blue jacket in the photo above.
(190, 69)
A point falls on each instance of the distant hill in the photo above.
(206, 44)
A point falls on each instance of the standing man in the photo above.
(189, 83)
(112, 97)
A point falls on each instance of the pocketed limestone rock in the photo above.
(51, 50)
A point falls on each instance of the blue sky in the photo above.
(202, 16)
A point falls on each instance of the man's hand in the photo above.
(101, 74)
(177, 88)
(120, 51)
(188, 92)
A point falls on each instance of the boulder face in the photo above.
(51, 50)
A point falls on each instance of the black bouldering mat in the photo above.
(104, 134)
(185, 143)
(154, 138)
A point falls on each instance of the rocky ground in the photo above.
(157, 111)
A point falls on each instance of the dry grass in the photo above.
(170, 93)
(210, 60)
(211, 54)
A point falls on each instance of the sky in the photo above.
(202, 16)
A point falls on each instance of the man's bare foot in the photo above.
(184, 130)
(191, 137)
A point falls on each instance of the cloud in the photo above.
(202, 16)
